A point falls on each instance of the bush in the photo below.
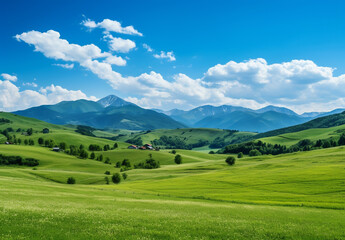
(92, 155)
(254, 152)
(173, 151)
(126, 163)
(116, 178)
(178, 159)
(40, 141)
(124, 176)
(230, 160)
(107, 173)
(240, 155)
(211, 152)
(106, 180)
(71, 180)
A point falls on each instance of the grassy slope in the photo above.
(190, 135)
(58, 133)
(289, 139)
(170, 202)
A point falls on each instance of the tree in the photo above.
(106, 180)
(31, 142)
(211, 152)
(26, 142)
(106, 147)
(71, 180)
(126, 163)
(40, 141)
(230, 160)
(115, 145)
(92, 156)
(178, 159)
(341, 140)
(118, 164)
(83, 154)
(19, 141)
(116, 178)
(107, 173)
(173, 151)
(107, 161)
(254, 152)
(124, 176)
(29, 131)
(240, 155)
(62, 145)
(81, 147)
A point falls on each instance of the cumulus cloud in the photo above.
(9, 77)
(52, 46)
(67, 66)
(299, 84)
(111, 26)
(11, 98)
(118, 44)
(166, 55)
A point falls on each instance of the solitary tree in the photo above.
(240, 155)
(230, 160)
(116, 178)
(115, 145)
(40, 141)
(71, 180)
(124, 176)
(178, 159)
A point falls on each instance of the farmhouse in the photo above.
(132, 147)
(148, 146)
(45, 130)
(56, 149)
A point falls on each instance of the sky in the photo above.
(174, 54)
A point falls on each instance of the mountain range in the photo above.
(116, 113)
(109, 112)
(243, 119)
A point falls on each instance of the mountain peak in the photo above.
(113, 101)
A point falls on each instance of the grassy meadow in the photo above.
(290, 196)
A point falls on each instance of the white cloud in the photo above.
(147, 47)
(120, 44)
(111, 26)
(299, 84)
(115, 60)
(30, 84)
(67, 66)
(166, 55)
(9, 77)
(11, 98)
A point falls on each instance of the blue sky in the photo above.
(248, 53)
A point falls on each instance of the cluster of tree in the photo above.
(78, 151)
(95, 147)
(148, 163)
(116, 178)
(136, 141)
(260, 148)
(125, 165)
(4, 120)
(172, 142)
(85, 130)
(17, 160)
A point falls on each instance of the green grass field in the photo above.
(314, 134)
(189, 135)
(290, 196)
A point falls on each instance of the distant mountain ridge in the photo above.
(109, 112)
(243, 119)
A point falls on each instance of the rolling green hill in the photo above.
(190, 136)
(313, 134)
(322, 122)
(288, 196)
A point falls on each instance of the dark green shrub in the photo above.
(240, 155)
(124, 176)
(71, 180)
(116, 178)
(178, 159)
(230, 160)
